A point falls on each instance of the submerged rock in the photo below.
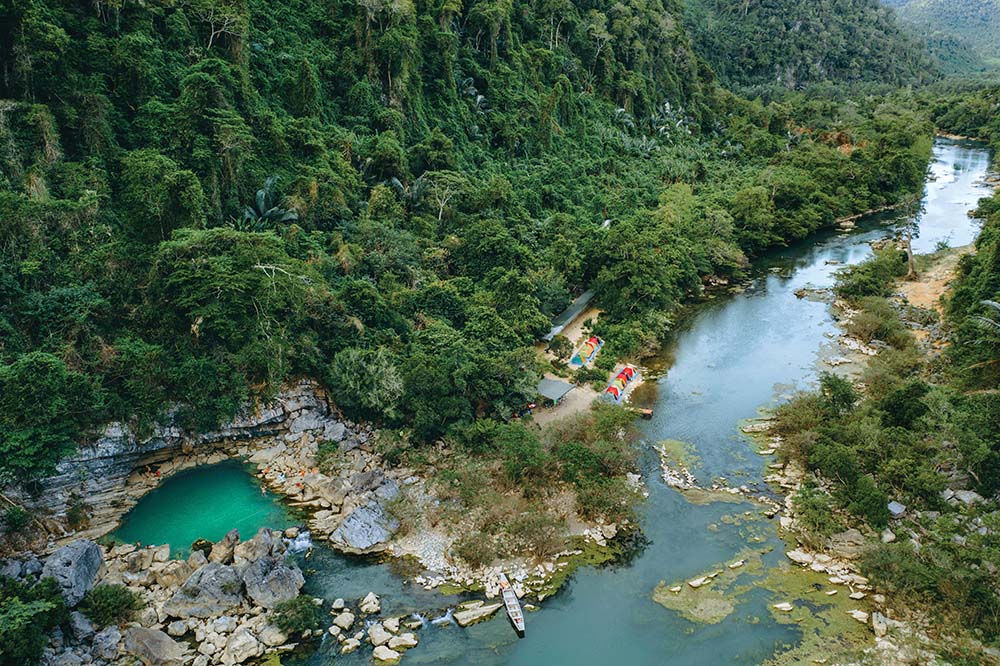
(75, 568)
(384, 654)
(472, 615)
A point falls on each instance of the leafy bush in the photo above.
(298, 615)
(814, 511)
(805, 411)
(610, 499)
(838, 394)
(873, 276)
(476, 549)
(110, 604)
(14, 519)
(28, 614)
(903, 406)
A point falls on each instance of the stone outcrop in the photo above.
(154, 648)
(367, 529)
(75, 567)
(211, 590)
(269, 582)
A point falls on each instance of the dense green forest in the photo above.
(976, 22)
(206, 198)
(784, 44)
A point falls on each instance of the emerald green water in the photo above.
(203, 502)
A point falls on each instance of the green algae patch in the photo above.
(591, 555)
(677, 453)
(828, 631)
(707, 606)
(703, 496)
(716, 597)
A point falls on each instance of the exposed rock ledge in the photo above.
(109, 474)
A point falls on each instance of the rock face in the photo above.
(99, 470)
(75, 567)
(211, 590)
(848, 544)
(365, 530)
(269, 582)
(153, 647)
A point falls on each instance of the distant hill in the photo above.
(791, 44)
(974, 21)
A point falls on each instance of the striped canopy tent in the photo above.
(587, 350)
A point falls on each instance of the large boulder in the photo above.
(241, 646)
(367, 529)
(154, 648)
(849, 544)
(266, 543)
(75, 567)
(173, 574)
(210, 591)
(80, 628)
(269, 582)
(222, 552)
(472, 615)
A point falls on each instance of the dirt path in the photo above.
(926, 291)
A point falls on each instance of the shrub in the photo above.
(803, 412)
(903, 406)
(815, 513)
(298, 615)
(110, 604)
(865, 500)
(610, 499)
(838, 393)
(477, 549)
(28, 614)
(585, 376)
(14, 520)
(561, 347)
(873, 276)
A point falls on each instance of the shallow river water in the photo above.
(737, 353)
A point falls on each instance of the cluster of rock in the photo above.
(389, 637)
(215, 607)
(348, 505)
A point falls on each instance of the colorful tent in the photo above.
(587, 350)
(616, 389)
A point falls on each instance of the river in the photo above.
(737, 353)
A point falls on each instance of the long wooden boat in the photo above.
(514, 611)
